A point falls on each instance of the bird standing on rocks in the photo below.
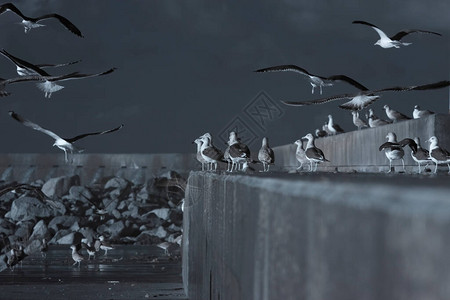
(266, 155)
(239, 152)
(199, 156)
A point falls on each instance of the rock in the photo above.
(63, 237)
(117, 187)
(116, 228)
(6, 227)
(33, 246)
(24, 230)
(40, 230)
(80, 193)
(3, 260)
(159, 232)
(62, 222)
(116, 214)
(110, 205)
(28, 208)
(88, 233)
(145, 238)
(162, 213)
(59, 186)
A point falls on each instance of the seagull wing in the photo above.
(288, 68)
(64, 21)
(389, 145)
(77, 75)
(348, 80)
(33, 125)
(410, 142)
(402, 33)
(13, 8)
(23, 64)
(378, 30)
(58, 65)
(78, 137)
(318, 101)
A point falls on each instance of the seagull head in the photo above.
(416, 107)
(432, 140)
(386, 107)
(309, 137)
(391, 137)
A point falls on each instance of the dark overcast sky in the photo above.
(185, 67)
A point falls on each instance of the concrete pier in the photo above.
(317, 236)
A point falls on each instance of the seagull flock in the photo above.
(237, 155)
(49, 84)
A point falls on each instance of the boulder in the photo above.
(117, 186)
(28, 208)
(80, 193)
(63, 222)
(59, 186)
(40, 230)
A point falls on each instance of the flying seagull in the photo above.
(314, 80)
(393, 41)
(365, 98)
(4, 82)
(49, 85)
(30, 23)
(65, 144)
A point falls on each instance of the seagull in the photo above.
(437, 154)
(89, 248)
(334, 128)
(65, 144)
(375, 122)
(104, 245)
(418, 113)
(199, 154)
(266, 155)
(48, 86)
(325, 128)
(239, 152)
(357, 121)
(312, 153)
(77, 257)
(30, 23)
(420, 155)
(4, 82)
(394, 115)
(210, 154)
(393, 41)
(314, 80)
(321, 133)
(365, 98)
(394, 149)
(300, 154)
(44, 248)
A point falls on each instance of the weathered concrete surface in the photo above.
(317, 236)
(26, 168)
(358, 150)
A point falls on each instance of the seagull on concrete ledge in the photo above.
(30, 23)
(393, 41)
(394, 115)
(300, 154)
(266, 155)
(239, 152)
(418, 113)
(320, 133)
(312, 153)
(437, 154)
(65, 144)
(365, 98)
(357, 121)
(210, 154)
(199, 156)
(420, 155)
(314, 80)
(394, 150)
(333, 127)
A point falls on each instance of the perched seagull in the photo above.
(325, 128)
(312, 153)
(65, 144)
(394, 149)
(357, 121)
(30, 23)
(104, 245)
(266, 155)
(89, 248)
(375, 122)
(210, 154)
(239, 152)
(437, 154)
(315, 80)
(49, 85)
(394, 115)
(227, 157)
(300, 154)
(77, 257)
(418, 113)
(420, 155)
(393, 41)
(334, 128)
(199, 154)
(321, 133)
(365, 98)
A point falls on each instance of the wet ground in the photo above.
(127, 272)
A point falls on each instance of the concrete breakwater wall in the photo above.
(358, 150)
(316, 236)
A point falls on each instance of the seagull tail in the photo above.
(49, 87)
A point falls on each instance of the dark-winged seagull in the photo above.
(420, 155)
(393, 41)
(325, 128)
(210, 154)
(65, 144)
(239, 152)
(357, 121)
(333, 127)
(437, 154)
(394, 150)
(29, 23)
(315, 80)
(320, 133)
(313, 154)
(365, 98)
(394, 115)
(266, 155)
(419, 113)
(48, 84)
(300, 154)
(199, 156)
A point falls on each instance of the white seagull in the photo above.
(419, 113)
(357, 121)
(30, 23)
(393, 41)
(314, 80)
(437, 154)
(49, 85)
(65, 144)
(266, 155)
(210, 154)
(199, 156)
(365, 98)
(300, 154)
(333, 127)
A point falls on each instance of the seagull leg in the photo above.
(448, 165)
(419, 168)
(390, 166)
(435, 169)
(310, 166)
(65, 156)
(268, 167)
(403, 163)
(315, 166)
(320, 86)
(301, 165)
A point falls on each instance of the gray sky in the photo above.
(185, 67)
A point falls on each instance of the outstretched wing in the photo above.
(71, 140)
(288, 68)
(32, 125)
(23, 64)
(13, 8)
(64, 21)
(402, 33)
(348, 80)
(410, 142)
(378, 30)
(58, 65)
(77, 75)
(318, 101)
